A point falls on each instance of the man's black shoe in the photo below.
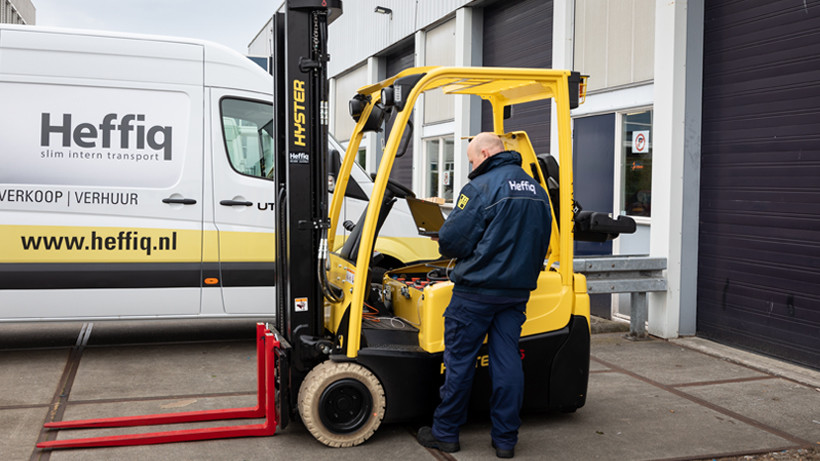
(501, 453)
(426, 439)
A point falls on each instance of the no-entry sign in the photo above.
(640, 142)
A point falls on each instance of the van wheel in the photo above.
(341, 403)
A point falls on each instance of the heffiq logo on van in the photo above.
(128, 132)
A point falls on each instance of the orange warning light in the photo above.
(582, 89)
(211, 281)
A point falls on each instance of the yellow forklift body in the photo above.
(549, 309)
(560, 293)
(342, 274)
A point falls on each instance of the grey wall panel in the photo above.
(360, 32)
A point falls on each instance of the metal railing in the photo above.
(636, 275)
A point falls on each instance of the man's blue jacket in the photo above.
(499, 230)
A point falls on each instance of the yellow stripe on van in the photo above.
(246, 246)
(58, 244)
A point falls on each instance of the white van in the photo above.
(135, 180)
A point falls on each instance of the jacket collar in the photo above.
(507, 157)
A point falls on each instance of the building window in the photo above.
(636, 173)
(248, 130)
(438, 167)
(346, 86)
(439, 51)
(361, 157)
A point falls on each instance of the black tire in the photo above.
(341, 403)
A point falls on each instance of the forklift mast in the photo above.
(301, 115)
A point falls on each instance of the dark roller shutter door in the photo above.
(518, 33)
(396, 62)
(759, 250)
(400, 58)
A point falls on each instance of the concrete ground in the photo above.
(647, 400)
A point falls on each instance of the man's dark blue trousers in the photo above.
(468, 319)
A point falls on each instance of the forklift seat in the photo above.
(549, 166)
(590, 226)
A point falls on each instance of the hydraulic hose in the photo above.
(327, 289)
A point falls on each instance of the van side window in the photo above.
(248, 130)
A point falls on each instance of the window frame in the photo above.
(619, 181)
(441, 140)
(225, 140)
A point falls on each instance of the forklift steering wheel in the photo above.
(397, 189)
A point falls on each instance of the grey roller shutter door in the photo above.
(519, 34)
(759, 246)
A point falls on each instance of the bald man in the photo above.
(499, 231)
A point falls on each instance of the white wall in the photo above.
(345, 87)
(439, 51)
(17, 12)
(262, 43)
(676, 164)
(360, 32)
(614, 41)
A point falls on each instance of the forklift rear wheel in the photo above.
(341, 403)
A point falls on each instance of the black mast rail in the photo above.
(301, 104)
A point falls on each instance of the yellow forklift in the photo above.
(391, 370)
(329, 359)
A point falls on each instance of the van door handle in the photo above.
(183, 201)
(235, 202)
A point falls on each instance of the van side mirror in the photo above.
(334, 164)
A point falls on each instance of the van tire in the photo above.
(341, 403)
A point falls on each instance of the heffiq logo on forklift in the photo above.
(88, 135)
(299, 113)
(522, 186)
(299, 157)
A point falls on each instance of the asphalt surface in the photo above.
(647, 400)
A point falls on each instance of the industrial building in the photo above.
(701, 122)
(17, 12)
